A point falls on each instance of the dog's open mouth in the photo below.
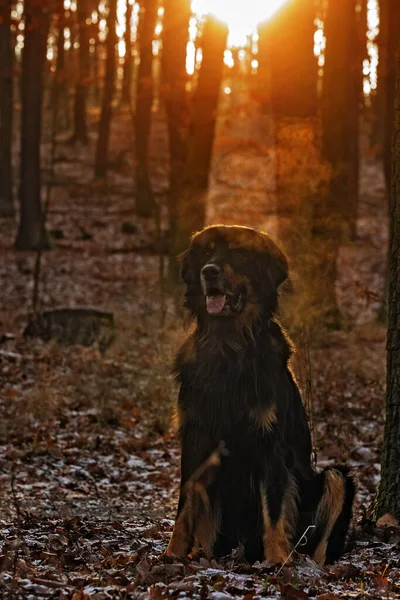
(216, 304)
(224, 304)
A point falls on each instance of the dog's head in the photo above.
(234, 273)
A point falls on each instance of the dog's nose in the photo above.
(211, 271)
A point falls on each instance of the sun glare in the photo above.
(242, 16)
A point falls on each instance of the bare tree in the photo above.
(144, 101)
(340, 110)
(388, 498)
(59, 91)
(101, 160)
(301, 172)
(390, 10)
(128, 59)
(81, 90)
(192, 194)
(31, 233)
(174, 78)
(6, 111)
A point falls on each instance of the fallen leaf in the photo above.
(292, 593)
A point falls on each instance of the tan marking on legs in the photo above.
(178, 418)
(198, 521)
(207, 524)
(329, 509)
(179, 544)
(277, 546)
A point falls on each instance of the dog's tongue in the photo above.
(215, 304)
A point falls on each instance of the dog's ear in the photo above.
(274, 270)
(278, 269)
(274, 262)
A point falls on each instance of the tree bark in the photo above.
(101, 161)
(389, 11)
(293, 64)
(388, 498)
(81, 90)
(191, 200)
(128, 60)
(378, 96)
(174, 77)
(392, 23)
(144, 100)
(7, 208)
(302, 174)
(31, 233)
(340, 110)
(264, 68)
(59, 91)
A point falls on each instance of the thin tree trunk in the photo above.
(101, 161)
(144, 101)
(340, 110)
(60, 96)
(95, 68)
(128, 59)
(378, 96)
(174, 77)
(388, 498)
(191, 201)
(7, 208)
(31, 233)
(81, 91)
(302, 175)
(388, 47)
(263, 70)
(392, 32)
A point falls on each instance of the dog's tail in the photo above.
(334, 513)
(337, 539)
(326, 504)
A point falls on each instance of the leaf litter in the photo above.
(89, 462)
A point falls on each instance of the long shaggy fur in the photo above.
(246, 471)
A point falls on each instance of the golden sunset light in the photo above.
(242, 17)
(199, 318)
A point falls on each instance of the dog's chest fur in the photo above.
(226, 392)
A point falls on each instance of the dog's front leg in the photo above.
(278, 502)
(196, 518)
(182, 536)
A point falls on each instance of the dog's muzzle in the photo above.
(220, 299)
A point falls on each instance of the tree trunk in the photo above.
(378, 96)
(144, 101)
(101, 162)
(81, 91)
(388, 498)
(31, 233)
(174, 77)
(389, 67)
(389, 11)
(263, 84)
(128, 61)
(6, 111)
(191, 201)
(60, 95)
(340, 110)
(302, 175)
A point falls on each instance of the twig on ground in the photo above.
(15, 497)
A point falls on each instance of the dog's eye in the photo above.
(207, 252)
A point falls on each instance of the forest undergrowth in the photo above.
(89, 462)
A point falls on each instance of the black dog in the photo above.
(246, 469)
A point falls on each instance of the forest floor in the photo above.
(89, 465)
